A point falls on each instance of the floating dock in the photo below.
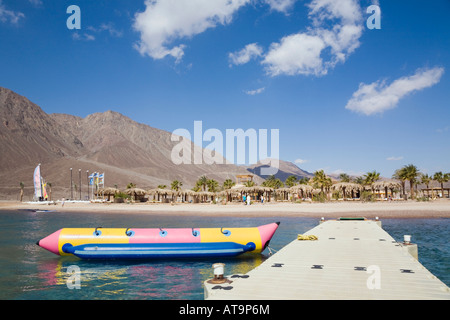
(350, 260)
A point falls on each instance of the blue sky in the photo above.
(345, 98)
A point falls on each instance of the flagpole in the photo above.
(71, 185)
(79, 179)
(87, 180)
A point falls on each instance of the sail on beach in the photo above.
(40, 192)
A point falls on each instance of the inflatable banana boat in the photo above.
(105, 243)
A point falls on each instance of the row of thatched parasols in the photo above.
(350, 189)
(302, 190)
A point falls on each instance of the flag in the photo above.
(91, 179)
(101, 179)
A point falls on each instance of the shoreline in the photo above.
(384, 210)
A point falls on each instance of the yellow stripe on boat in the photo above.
(80, 236)
(237, 235)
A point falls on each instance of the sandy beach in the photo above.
(383, 210)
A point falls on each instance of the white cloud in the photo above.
(318, 49)
(300, 161)
(280, 5)
(165, 21)
(9, 15)
(108, 27)
(295, 54)
(243, 56)
(83, 37)
(255, 92)
(36, 3)
(378, 97)
(338, 172)
(348, 11)
(443, 129)
(394, 158)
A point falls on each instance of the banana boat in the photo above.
(158, 243)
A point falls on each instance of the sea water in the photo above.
(28, 272)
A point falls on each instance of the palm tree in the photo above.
(371, 177)
(399, 174)
(249, 184)
(228, 184)
(176, 185)
(202, 182)
(213, 185)
(291, 181)
(49, 185)
(303, 180)
(161, 186)
(426, 179)
(320, 180)
(273, 182)
(22, 186)
(277, 184)
(441, 178)
(411, 173)
(344, 177)
(359, 180)
(131, 185)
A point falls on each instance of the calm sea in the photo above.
(28, 272)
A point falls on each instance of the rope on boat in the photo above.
(307, 237)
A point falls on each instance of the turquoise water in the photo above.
(28, 272)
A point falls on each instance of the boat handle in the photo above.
(195, 233)
(129, 234)
(226, 232)
(96, 232)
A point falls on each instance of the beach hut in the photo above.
(184, 194)
(136, 193)
(103, 192)
(349, 188)
(161, 194)
(282, 194)
(387, 185)
(204, 196)
(302, 191)
(254, 192)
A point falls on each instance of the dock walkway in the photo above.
(350, 260)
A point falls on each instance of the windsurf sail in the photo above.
(44, 190)
(37, 182)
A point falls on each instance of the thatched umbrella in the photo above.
(266, 191)
(135, 192)
(283, 192)
(347, 187)
(184, 193)
(203, 195)
(388, 184)
(160, 192)
(108, 192)
(302, 189)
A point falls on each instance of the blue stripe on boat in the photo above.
(161, 250)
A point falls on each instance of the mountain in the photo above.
(285, 169)
(27, 133)
(109, 142)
